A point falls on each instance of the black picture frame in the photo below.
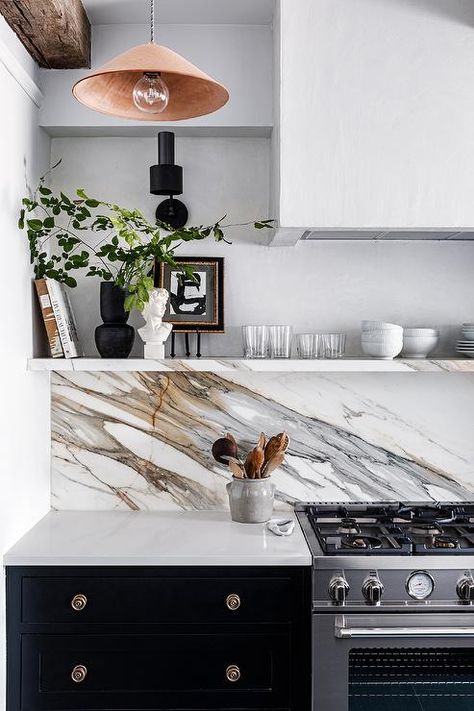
(210, 302)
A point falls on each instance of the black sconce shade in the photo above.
(166, 178)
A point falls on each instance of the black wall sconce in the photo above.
(166, 178)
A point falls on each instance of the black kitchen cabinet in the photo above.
(83, 639)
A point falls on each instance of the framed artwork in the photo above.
(194, 305)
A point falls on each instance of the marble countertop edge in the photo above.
(304, 559)
(217, 365)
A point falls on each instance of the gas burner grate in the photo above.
(392, 529)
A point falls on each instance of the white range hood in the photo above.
(373, 123)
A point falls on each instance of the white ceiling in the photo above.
(215, 12)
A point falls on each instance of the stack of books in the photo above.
(58, 319)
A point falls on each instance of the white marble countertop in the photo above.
(154, 538)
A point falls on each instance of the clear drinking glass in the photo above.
(255, 340)
(306, 344)
(333, 345)
(280, 341)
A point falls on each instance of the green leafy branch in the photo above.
(126, 254)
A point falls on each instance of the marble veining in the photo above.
(141, 440)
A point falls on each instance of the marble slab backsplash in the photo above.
(139, 440)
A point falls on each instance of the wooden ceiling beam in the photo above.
(57, 33)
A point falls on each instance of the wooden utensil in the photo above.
(254, 462)
(224, 448)
(236, 469)
(273, 464)
(277, 443)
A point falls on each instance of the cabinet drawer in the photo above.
(154, 671)
(155, 600)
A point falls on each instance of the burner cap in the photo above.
(348, 525)
(424, 529)
(445, 542)
(358, 542)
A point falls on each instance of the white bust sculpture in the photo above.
(154, 333)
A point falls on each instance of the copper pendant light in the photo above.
(151, 83)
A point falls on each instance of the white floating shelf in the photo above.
(218, 365)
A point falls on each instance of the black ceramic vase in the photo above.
(114, 338)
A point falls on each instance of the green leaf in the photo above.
(44, 191)
(48, 223)
(21, 219)
(92, 203)
(263, 224)
(35, 225)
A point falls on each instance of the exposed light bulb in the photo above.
(150, 94)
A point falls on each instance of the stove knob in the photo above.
(465, 588)
(338, 589)
(372, 590)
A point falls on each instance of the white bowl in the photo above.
(384, 351)
(420, 332)
(418, 346)
(377, 337)
(389, 345)
(379, 326)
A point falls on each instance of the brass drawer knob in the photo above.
(79, 673)
(232, 601)
(232, 672)
(78, 602)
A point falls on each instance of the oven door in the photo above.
(393, 662)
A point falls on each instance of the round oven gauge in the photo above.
(420, 585)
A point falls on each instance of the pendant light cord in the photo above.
(152, 20)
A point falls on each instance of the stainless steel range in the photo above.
(393, 606)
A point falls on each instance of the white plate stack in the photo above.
(465, 343)
(381, 340)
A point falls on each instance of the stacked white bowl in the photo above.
(419, 342)
(465, 343)
(381, 340)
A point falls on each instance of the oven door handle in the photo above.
(354, 632)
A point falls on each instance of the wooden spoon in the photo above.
(254, 462)
(270, 466)
(278, 443)
(236, 469)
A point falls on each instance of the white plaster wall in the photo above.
(239, 56)
(377, 113)
(24, 416)
(319, 285)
